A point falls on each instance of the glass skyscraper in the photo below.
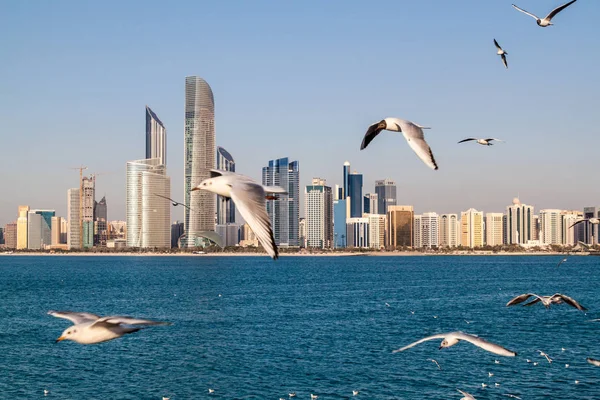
(386, 195)
(339, 223)
(355, 183)
(345, 192)
(199, 158)
(225, 206)
(284, 212)
(39, 229)
(156, 137)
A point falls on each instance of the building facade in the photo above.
(100, 222)
(177, 231)
(346, 173)
(340, 214)
(230, 233)
(494, 229)
(156, 137)
(449, 230)
(357, 232)
(471, 228)
(377, 224)
(10, 235)
(22, 227)
(56, 224)
(74, 233)
(370, 203)
(430, 230)
(591, 231)
(386, 194)
(39, 229)
(225, 206)
(318, 200)
(355, 183)
(88, 199)
(551, 229)
(400, 222)
(569, 232)
(519, 223)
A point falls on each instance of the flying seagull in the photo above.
(483, 142)
(593, 221)
(467, 395)
(451, 338)
(544, 22)
(250, 199)
(175, 203)
(501, 53)
(90, 328)
(556, 298)
(545, 355)
(434, 361)
(562, 261)
(593, 361)
(412, 132)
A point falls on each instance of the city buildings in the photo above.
(156, 137)
(22, 227)
(471, 228)
(284, 211)
(10, 235)
(346, 172)
(87, 219)
(249, 237)
(230, 233)
(569, 232)
(417, 244)
(340, 213)
(494, 229)
(376, 230)
(39, 229)
(370, 203)
(74, 233)
(551, 229)
(100, 222)
(1, 235)
(449, 230)
(117, 230)
(355, 184)
(357, 232)
(225, 206)
(400, 221)
(429, 230)
(591, 231)
(177, 229)
(386, 194)
(56, 224)
(302, 232)
(199, 158)
(519, 223)
(318, 199)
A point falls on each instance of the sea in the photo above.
(253, 328)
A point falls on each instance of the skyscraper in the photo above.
(355, 183)
(176, 232)
(344, 191)
(376, 230)
(591, 231)
(199, 158)
(449, 230)
(519, 223)
(318, 199)
(74, 235)
(22, 227)
(148, 215)
(340, 213)
(471, 228)
(225, 206)
(430, 229)
(569, 232)
(56, 223)
(156, 137)
(88, 198)
(551, 228)
(10, 235)
(494, 229)
(417, 234)
(100, 222)
(371, 203)
(386, 194)
(400, 221)
(39, 229)
(357, 232)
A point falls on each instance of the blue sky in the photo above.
(305, 80)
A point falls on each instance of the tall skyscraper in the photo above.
(471, 228)
(22, 227)
(302, 232)
(148, 215)
(10, 235)
(357, 232)
(340, 213)
(1, 235)
(156, 137)
(225, 206)
(176, 232)
(591, 231)
(449, 230)
(199, 158)
(519, 223)
(551, 226)
(88, 198)
(345, 191)
(386, 194)
(318, 199)
(55, 223)
(74, 235)
(39, 229)
(417, 234)
(569, 232)
(100, 222)
(376, 230)
(371, 203)
(430, 229)
(355, 184)
(400, 222)
(494, 229)
(284, 211)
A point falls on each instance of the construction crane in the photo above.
(80, 168)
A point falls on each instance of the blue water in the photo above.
(304, 324)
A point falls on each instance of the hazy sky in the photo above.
(305, 80)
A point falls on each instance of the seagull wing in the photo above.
(561, 261)
(416, 140)
(570, 301)
(593, 361)
(249, 197)
(467, 395)
(75, 317)
(503, 56)
(175, 203)
(578, 222)
(558, 9)
(537, 300)
(466, 140)
(118, 320)
(497, 45)
(440, 336)
(373, 131)
(525, 12)
(484, 344)
(274, 189)
(497, 140)
(520, 298)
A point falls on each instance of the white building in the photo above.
(318, 200)
(449, 229)
(430, 230)
(376, 230)
(371, 203)
(357, 232)
(417, 234)
(471, 228)
(74, 227)
(551, 229)
(520, 224)
(568, 230)
(494, 229)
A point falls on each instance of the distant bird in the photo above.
(90, 328)
(412, 132)
(562, 349)
(451, 338)
(544, 22)
(501, 53)
(314, 396)
(556, 298)
(593, 361)
(490, 374)
(293, 394)
(496, 362)
(483, 385)
(535, 363)
(166, 398)
(173, 202)
(593, 221)
(577, 382)
(566, 365)
(434, 361)
(46, 391)
(211, 390)
(483, 142)
(562, 261)
(496, 384)
(468, 396)
(468, 322)
(249, 197)
(513, 396)
(355, 393)
(545, 355)
(528, 360)
(387, 304)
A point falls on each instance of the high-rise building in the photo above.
(249, 237)
(148, 215)
(100, 222)
(176, 232)
(88, 198)
(591, 232)
(519, 223)
(400, 226)
(74, 234)
(417, 234)
(55, 230)
(225, 206)
(284, 211)
(302, 232)
(376, 230)
(22, 227)
(536, 228)
(345, 191)
(199, 158)
(10, 235)
(319, 214)
(117, 230)
(230, 234)
(449, 230)
(39, 229)
(386, 194)
(494, 229)
(357, 232)
(471, 228)
(156, 137)
(551, 228)
(1, 235)
(355, 183)
(430, 229)
(340, 213)
(371, 203)
(64, 230)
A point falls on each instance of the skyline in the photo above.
(331, 81)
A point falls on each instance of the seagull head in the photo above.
(69, 334)
(215, 185)
(448, 342)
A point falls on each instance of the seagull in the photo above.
(249, 197)
(535, 363)
(412, 132)
(496, 384)
(562, 261)
(387, 304)
(566, 365)
(211, 390)
(556, 298)
(314, 396)
(490, 374)
(593, 361)
(593, 221)
(496, 362)
(528, 360)
(501, 53)
(513, 396)
(483, 142)
(545, 355)
(483, 385)
(468, 396)
(577, 382)
(434, 361)
(451, 338)
(166, 398)
(90, 328)
(293, 394)
(562, 349)
(546, 21)
(355, 393)
(46, 391)
(175, 203)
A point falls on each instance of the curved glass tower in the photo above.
(225, 207)
(156, 137)
(199, 157)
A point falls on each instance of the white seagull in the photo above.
(250, 200)
(483, 142)
(545, 355)
(546, 21)
(593, 221)
(412, 132)
(434, 361)
(593, 361)
(556, 298)
(451, 338)
(211, 390)
(355, 393)
(90, 328)
(501, 53)
(293, 394)
(314, 396)
(467, 395)
(562, 261)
